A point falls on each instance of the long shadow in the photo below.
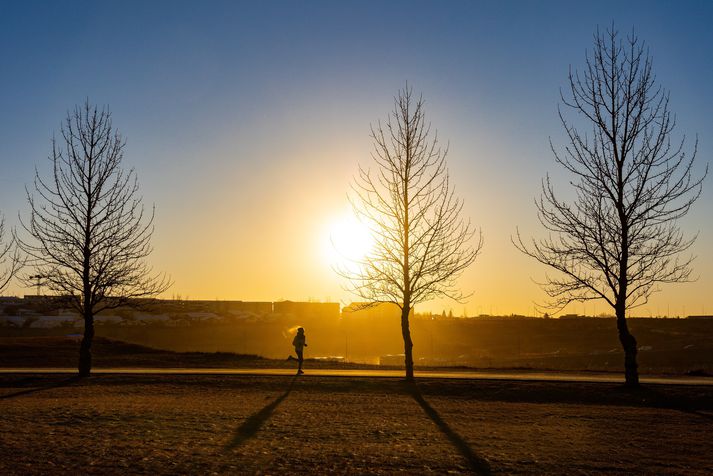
(255, 421)
(477, 463)
(670, 402)
(61, 383)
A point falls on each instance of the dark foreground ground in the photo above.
(205, 424)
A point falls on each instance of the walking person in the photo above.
(300, 343)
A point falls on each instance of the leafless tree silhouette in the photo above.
(618, 238)
(89, 233)
(422, 244)
(10, 262)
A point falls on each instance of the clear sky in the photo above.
(245, 122)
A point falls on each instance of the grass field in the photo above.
(183, 424)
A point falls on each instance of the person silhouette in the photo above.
(300, 343)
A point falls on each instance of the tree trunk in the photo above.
(628, 342)
(85, 349)
(408, 343)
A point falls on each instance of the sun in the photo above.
(347, 241)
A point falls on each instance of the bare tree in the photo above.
(421, 243)
(618, 238)
(10, 262)
(89, 233)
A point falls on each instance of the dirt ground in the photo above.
(203, 424)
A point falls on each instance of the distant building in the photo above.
(41, 298)
(255, 307)
(383, 310)
(10, 300)
(218, 307)
(314, 310)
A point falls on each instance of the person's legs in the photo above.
(299, 360)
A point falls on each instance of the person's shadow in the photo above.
(38, 388)
(255, 421)
(477, 463)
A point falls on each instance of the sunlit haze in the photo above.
(347, 242)
(246, 124)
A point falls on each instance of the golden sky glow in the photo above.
(245, 128)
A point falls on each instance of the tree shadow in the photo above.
(55, 384)
(477, 463)
(255, 421)
(656, 398)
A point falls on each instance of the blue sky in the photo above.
(246, 121)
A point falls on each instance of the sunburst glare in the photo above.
(347, 241)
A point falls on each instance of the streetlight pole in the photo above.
(38, 277)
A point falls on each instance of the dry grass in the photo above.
(189, 424)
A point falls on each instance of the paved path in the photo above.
(452, 374)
